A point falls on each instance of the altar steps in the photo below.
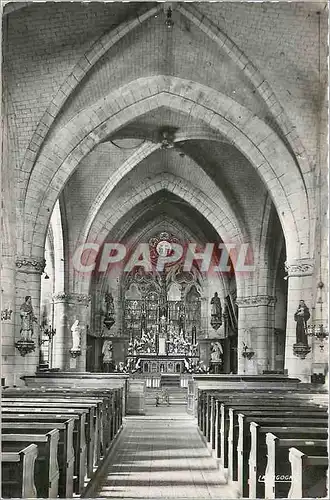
(177, 396)
(170, 381)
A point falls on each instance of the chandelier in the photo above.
(169, 23)
(318, 329)
(48, 332)
(167, 136)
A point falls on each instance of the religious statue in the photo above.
(107, 351)
(27, 319)
(301, 317)
(216, 352)
(201, 367)
(147, 343)
(109, 311)
(216, 312)
(75, 331)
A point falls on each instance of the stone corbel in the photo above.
(300, 267)
(31, 264)
(75, 353)
(301, 350)
(25, 346)
(72, 298)
(256, 300)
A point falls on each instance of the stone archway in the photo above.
(249, 134)
(227, 229)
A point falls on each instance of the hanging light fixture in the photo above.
(169, 23)
(318, 328)
(166, 137)
(48, 332)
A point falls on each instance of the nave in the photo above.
(157, 457)
(164, 241)
(253, 437)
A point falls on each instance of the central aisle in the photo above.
(162, 456)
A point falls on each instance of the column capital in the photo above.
(30, 265)
(256, 300)
(72, 298)
(300, 267)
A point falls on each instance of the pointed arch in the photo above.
(260, 145)
(104, 222)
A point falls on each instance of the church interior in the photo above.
(164, 250)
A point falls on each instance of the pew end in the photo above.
(303, 467)
(17, 471)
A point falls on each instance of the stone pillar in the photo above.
(8, 351)
(68, 308)
(28, 276)
(78, 307)
(61, 341)
(300, 287)
(255, 331)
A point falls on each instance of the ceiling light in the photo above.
(169, 22)
(167, 138)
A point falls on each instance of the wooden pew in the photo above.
(236, 436)
(82, 380)
(79, 438)
(209, 418)
(106, 422)
(111, 408)
(228, 440)
(212, 421)
(207, 407)
(93, 423)
(258, 457)
(278, 464)
(46, 465)
(17, 472)
(65, 454)
(262, 397)
(217, 420)
(94, 439)
(90, 408)
(303, 467)
(207, 399)
(245, 461)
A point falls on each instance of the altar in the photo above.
(157, 364)
(162, 320)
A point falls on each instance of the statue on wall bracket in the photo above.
(216, 312)
(216, 357)
(301, 316)
(109, 311)
(75, 350)
(26, 343)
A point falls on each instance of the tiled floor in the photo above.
(162, 456)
